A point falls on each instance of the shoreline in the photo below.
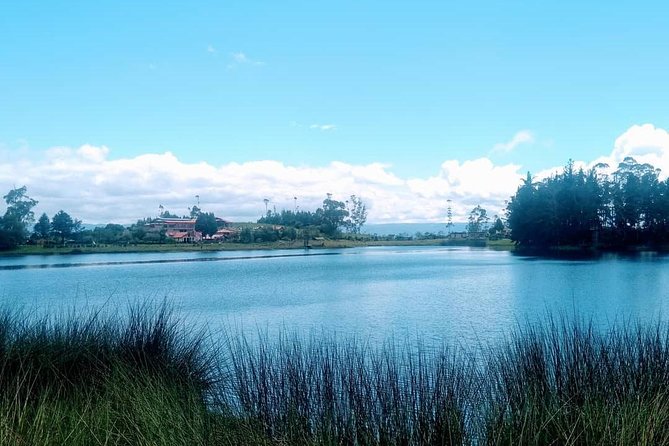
(28, 250)
(497, 245)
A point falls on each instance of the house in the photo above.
(458, 235)
(182, 230)
(467, 235)
(224, 234)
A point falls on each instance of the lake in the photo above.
(459, 295)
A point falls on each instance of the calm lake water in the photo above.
(460, 295)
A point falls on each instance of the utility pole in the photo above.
(449, 216)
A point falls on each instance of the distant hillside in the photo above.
(409, 228)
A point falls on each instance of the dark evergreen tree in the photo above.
(206, 224)
(42, 228)
(63, 226)
(578, 208)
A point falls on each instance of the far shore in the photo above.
(505, 244)
(498, 245)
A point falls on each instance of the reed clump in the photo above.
(568, 383)
(135, 378)
(556, 382)
(321, 391)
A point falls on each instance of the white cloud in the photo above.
(88, 184)
(468, 184)
(240, 58)
(211, 49)
(323, 127)
(521, 137)
(645, 143)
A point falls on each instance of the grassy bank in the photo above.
(230, 246)
(146, 378)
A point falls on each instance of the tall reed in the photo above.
(568, 383)
(145, 377)
(323, 391)
(135, 378)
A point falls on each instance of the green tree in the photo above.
(16, 218)
(12, 232)
(63, 226)
(195, 212)
(206, 223)
(246, 235)
(578, 208)
(332, 215)
(168, 214)
(20, 205)
(478, 220)
(42, 228)
(497, 228)
(289, 233)
(138, 233)
(111, 233)
(520, 215)
(358, 214)
(635, 195)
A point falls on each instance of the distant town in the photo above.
(334, 220)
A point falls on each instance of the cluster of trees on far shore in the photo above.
(333, 217)
(16, 225)
(629, 207)
(61, 228)
(19, 214)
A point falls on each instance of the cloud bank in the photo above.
(92, 186)
(645, 143)
(88, 184)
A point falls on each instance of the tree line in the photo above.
(62, 228)
(16, 225)
(330, 219)
(575, 207)
(19, 215)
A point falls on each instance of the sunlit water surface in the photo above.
(456, 295)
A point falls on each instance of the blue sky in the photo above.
(408, 85)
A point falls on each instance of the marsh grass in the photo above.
(565, 382)
(146, 378)
(322, 391)
(135, 378)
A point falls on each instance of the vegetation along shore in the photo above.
(502, 244)
(336, 225)
(145, 377)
